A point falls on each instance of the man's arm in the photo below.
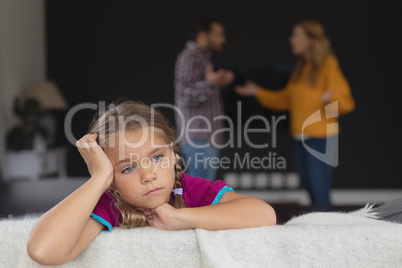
(192, 87)
(195, 83)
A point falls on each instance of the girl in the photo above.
(136, 180)
(316, 81)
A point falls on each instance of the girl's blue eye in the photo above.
(128, 170)
(158, 157)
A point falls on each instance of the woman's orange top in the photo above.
(304, 100)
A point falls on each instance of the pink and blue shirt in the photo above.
(197, 192)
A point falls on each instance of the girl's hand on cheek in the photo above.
(163, 217)
(94, 156)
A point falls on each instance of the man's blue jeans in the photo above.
(315, 175)
(198, 160)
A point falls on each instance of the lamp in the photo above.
(27, 143)
(48, 94)
(37, 129)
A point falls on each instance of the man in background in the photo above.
(198, 97)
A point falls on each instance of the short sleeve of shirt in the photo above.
(198, 192)
(105, 212)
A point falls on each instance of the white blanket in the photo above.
(311, 240)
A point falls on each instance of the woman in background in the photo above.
(315, 95)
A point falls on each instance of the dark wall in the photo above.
(101, 50)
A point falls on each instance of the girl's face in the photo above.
(299, 41)
(144, 173)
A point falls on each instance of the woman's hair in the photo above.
(320, 49)
(105, 125)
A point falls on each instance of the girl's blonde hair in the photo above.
(320, 49)
(105, 126)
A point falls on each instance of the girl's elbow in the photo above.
(36, 253)
(270, 216)
(42, 255)
(267, 215)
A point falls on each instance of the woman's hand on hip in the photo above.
(326, 96)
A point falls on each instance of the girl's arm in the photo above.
(66, 229)
(233, 211)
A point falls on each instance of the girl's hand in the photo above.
(248, 89)
(95, 158)
(163, 217)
